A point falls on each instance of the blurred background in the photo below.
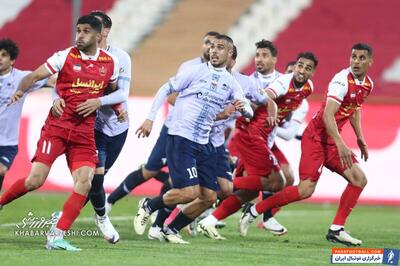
(161, 34)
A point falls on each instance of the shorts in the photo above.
(7, 155)
(78, 146)
(254, 153)
(158, 156)
(279, 155)
(108, 148)
(315, 155)
(191, 163)
(223, 168)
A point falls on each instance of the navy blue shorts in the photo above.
(7, 155)
(223, 169)
(191, 163)
(158, 156)
(108, 148)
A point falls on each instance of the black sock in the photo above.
(156, 203)
(162, 176)
(162, 215)
(97, 195)
(1, 181)
(133, 180)
(166, 186)
(267, 214)
(180, 221)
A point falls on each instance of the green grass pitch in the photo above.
(304, 244)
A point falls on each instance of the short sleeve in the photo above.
(55, 63)
(182, 79)
(279, 87)
(116, 70)
(337, 88)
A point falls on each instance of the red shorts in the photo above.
(279, 155)
(254, 154)
(315, 155)
(79, 147)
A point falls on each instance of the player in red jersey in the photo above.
(322, 145)
(285, 95)
(84, 72)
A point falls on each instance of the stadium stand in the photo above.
(339, 26)
(172, 42)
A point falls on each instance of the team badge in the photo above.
(77, 67)
(102, 70)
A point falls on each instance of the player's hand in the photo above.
(88, 107)
(15, 98)
(122, 115)
(58, 107)
(271, 121)
(364, 149)
(345, 155)
(145, 129)
(238, 104)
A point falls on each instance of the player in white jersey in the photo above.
(111, 128)
(204, 92)
(157, 158)
(10, 115)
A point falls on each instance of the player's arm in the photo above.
(292, 126)
(228, 111)
(172, 98)
(272, 108)
(345, 153)
(355, 121)
(28, 81)
(240, 103)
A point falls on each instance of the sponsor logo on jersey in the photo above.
(77, 67)
(102, 71)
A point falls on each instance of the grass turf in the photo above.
(304, 244)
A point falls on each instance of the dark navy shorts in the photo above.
(108, 148)
(190, 163)
(7, 155)
(158, 156)
(223, 169)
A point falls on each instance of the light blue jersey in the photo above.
(204, 91)
(252, 92)
(106, 120)
(264, 80)
(10, 114)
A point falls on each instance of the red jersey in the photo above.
(80, 77)
(346, 91)
(288, 99)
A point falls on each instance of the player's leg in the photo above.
(311, 163)
(181, 157)
(152, 169)
(7, 156)
(357, 181)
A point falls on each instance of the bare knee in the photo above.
(306, 189)
(208, 198)
(148, 174)
(274, 182)
(188, 195)
(356, 176)
(35, 181)
(360, 181)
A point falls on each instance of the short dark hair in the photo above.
(92, 21)
(211, 33)
(362, 46)
(105, 19)
(234, 52)
(291, 63)
(224, 37)
(10, 47)
(310, 56)
(269, 45)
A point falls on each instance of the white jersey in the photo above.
(263, 81)
(10, 114)
(106, 119)
(204, 91)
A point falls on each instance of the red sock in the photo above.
(347, 202)
(279, 199)
(71, 210)
(251, 182)
(230, 205)
(275, 210)
(14, 192)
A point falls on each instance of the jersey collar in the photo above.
(90, 57)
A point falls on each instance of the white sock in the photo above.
(209, 220)
(55, 234)
(335, 227)
(253, 211)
